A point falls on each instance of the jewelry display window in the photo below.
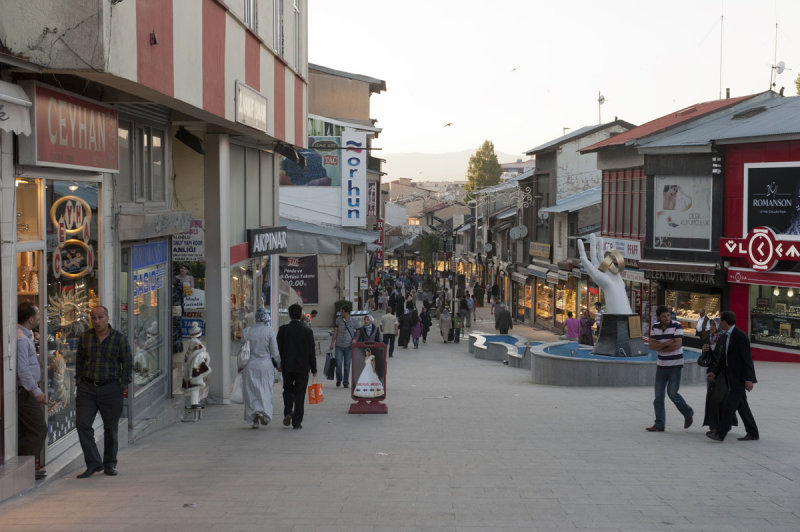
(775, 315)
(687, 305)
(29, 213)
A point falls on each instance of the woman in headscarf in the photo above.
(259, 374)
(369, 332)
(445, 323)
(718, 388)
(407, 321)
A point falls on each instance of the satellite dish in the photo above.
(780, 67)
(601, 99)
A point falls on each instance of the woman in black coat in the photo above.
(407, 321)
(425, 317)
(718, 388)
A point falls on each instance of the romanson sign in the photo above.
(267, 241)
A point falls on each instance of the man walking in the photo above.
(502, 319)
(737, 362)
(31, 428)
(343, 334)
(389, 330)
(298, 356)
(103, 370)
(666, 338)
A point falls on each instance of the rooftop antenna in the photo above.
(777, 66)
(721, 28)
(600, 101)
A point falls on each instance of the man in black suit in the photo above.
(298, 356)
(738, 365)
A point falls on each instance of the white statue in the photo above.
(604, 269)
(196, 367)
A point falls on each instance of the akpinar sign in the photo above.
(267, 241)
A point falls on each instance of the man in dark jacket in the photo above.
(502, 319)
(298, 356)
(737, 363)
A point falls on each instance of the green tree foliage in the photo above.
(797, 84)
(429, 245)
(484, 168)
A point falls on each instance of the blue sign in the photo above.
(186, 326)
(149, 254)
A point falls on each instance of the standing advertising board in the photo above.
(368, 380)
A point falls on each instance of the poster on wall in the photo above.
(188, 260)
(322, 165)
(772, 193)
(682, 213)
(301, 274)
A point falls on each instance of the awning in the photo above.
(537, 271)
(518, 277)
(576, 202)
(465, 227)
(501, 227)
(672, 266)
(14, 105)
(305, 237)
(507, 214)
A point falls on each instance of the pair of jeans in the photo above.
(669, 379)
(456, 335)
(344, 355)
(416, 342)
(388, 339)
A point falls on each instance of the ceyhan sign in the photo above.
(70, 132)
(267, 241)
(354, 178)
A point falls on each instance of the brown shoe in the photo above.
(655, 428)
(688, 422)
(747, 437)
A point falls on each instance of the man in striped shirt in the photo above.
(666, 338)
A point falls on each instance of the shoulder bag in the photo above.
(244, 354)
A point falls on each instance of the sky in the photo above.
(518, 72)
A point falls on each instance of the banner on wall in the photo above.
(772, 198)
(682, 213)
(301, 273)
(354, 178)
(322, 164)
(188, 260)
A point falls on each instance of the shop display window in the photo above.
(72, 289)
(544, 301)
(528, 296)
(687, 305)
(775, 317)
(29, 214)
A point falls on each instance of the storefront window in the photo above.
(150, 300)
(544, 301)
(687, 305)
(775, 318)
(28, 210)
(72, 289)
(565, 299)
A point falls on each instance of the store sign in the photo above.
(763, 278)
(379, 242)
(634, 276)
(149, 254)
(301, 274)
(681, 277)
(761, 248)
(267, 241)
(771, 192)
(682, 213)
(354, 178)
(70, 132)
(372, 205)
(73, 256)
(251, 107)
(552, 277)
(630, 249)
(540, 249)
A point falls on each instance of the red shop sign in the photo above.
(70, 132)
(762, 248)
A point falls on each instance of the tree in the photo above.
(429, 245)
(484, 169)
(797, 84)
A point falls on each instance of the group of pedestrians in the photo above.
(730, 375)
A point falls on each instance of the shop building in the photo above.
(624, 204)
(176, 129)
(686, 213)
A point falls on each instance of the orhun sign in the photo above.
(762, 248)
(70, 132)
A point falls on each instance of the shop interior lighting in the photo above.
(73, 188)
(790, 293)
(20, 180)
(776, 292)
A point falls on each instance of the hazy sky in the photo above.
(517, 72)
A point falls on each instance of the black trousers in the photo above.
(294, 396)
(91, 399)
(31, 427)
(736, 401)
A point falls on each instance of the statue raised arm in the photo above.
(606, 274)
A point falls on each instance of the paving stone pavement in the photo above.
(467, 445)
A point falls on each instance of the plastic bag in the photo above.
(315, 395)
(330, 366)
(244, 354)
(236, 392)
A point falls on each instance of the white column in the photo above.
(8, 235)
(218, 268)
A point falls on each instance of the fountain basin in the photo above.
(571, 364)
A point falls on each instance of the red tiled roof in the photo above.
(665, 122)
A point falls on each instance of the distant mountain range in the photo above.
(433, 166)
